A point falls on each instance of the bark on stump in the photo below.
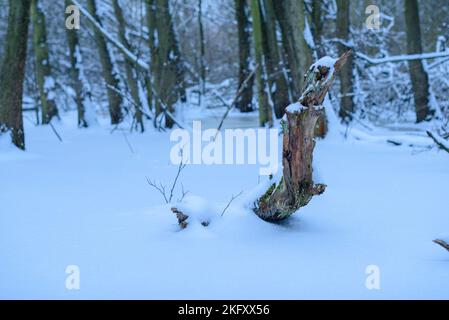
(296, 188)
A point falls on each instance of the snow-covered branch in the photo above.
(128, 54)
(409, 57)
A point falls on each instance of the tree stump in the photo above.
(296, 187)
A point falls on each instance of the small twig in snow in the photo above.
(128, 143)
(183, 193)
(55, 132)
(229, 203)
(160, 188)
(180, 168)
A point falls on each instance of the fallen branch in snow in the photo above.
(438, 142)
(442, 243)
(239, 93)
(229, 203)
(296, 187)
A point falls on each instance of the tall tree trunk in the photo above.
(12, 71)
(168, 69)
(245, 100)
(346, 81)
(276, 79)
(152, 34)
(202, 48)
(420, 79)
(317, 27)
(110, 77)
(317, 30)
(131, 74)
(45, 81)
(265, 112)
(296, 187)
(82, 91)
(292, 20)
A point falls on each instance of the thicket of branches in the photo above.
(204, 56)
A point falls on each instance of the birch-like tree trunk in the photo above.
(420, 78)
(44, 79)
(131, 73)
(109, 73)
(245, 100)
(12, 71)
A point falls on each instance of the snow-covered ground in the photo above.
(86, 202)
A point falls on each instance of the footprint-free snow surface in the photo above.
(86, 202)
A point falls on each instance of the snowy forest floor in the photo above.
(86, 202)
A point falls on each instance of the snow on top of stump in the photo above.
(325, 62)
(295, 107)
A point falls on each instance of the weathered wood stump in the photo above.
(296, 187)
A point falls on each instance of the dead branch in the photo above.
(180, 168)
(442, 243)
(234, 101)
(229, 203)
(128, 143)
(55, 132)
(162, 189)
(183, 193)
(440, 144)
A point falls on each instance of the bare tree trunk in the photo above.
(202, 48)
(244, 102)
(110, 77)
(45, 82)
(82, 92)
(317, 27)
(168, 68)
(131, 73)
(292, 20)
(152, 32)
(277, 83)
(12, 71)
(317, 30)
(297, 187)
(346, 81)
(420, 79)
(265, 112)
